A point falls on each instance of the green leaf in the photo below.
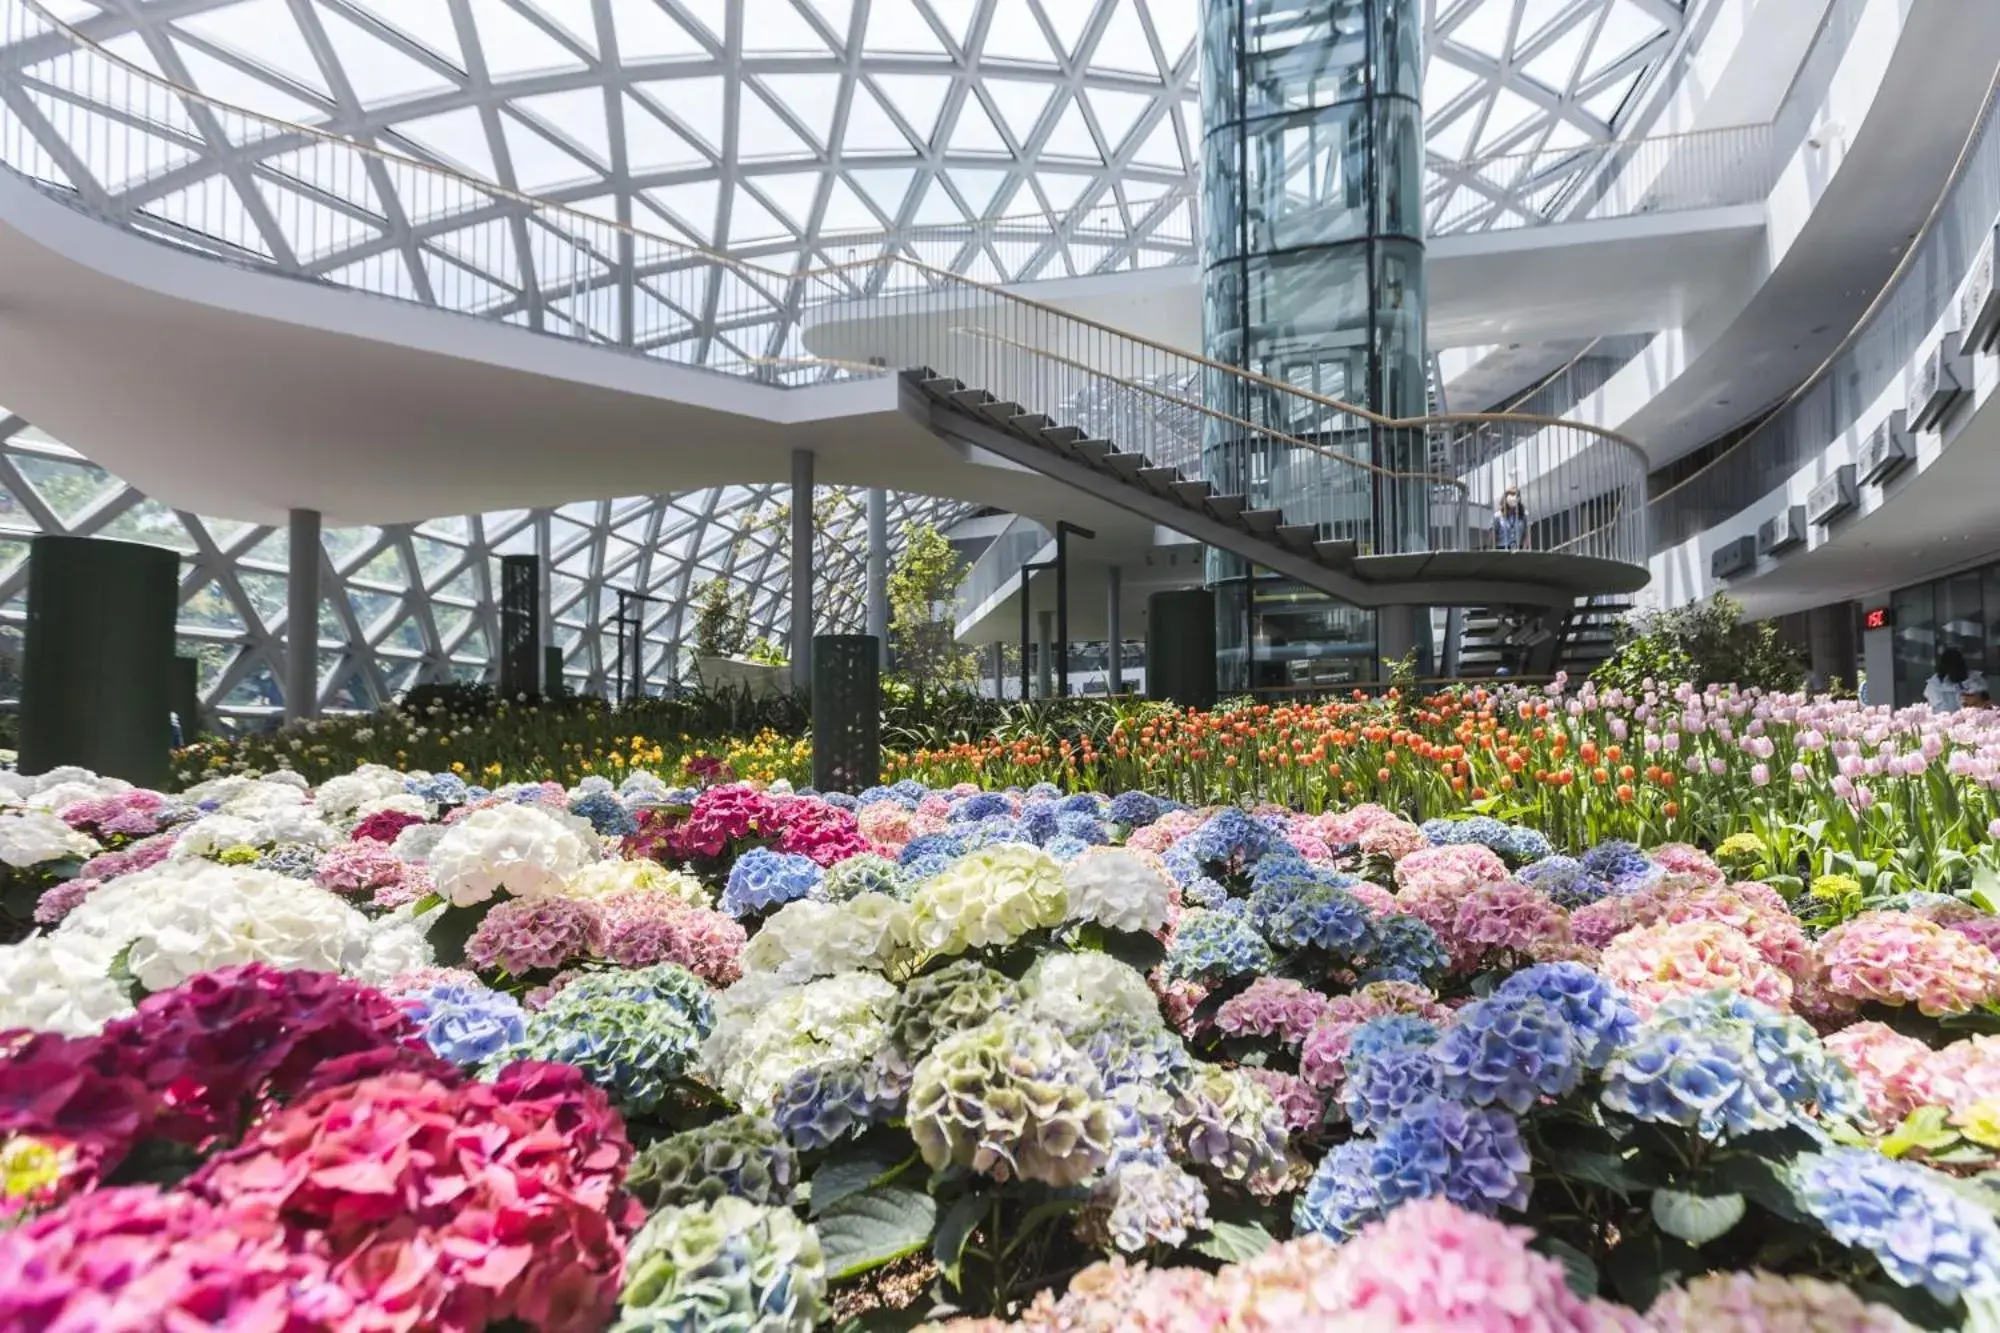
(1694, 1218)
(430, 902)
(875, 1227)
(1234, 1242)
(1141, 951)
(1606, 1170)
(1578, 1270)
(858, 1169)
(954, 1229)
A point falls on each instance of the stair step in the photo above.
(972, 400)
(1192, 493)
(1337, 552)
(1298, 536)
(1002, 412)
(941, 386)
(1262, 522)
(1160, 479)
(1092, 451)
(1125, 466)
(1061, 436)
(1228, 508)
(1030, 424)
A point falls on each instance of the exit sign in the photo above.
(1876, 618)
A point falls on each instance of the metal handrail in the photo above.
(1883, 295)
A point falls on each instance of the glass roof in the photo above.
(1006, 140)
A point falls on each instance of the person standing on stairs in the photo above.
(1510, 522)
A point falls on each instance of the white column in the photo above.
(878, 571)
(1114, 628)
(302, 617)
(802, 563)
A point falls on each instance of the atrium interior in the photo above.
(1334, 339)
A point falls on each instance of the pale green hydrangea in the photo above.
(1011, 1098)
(729, 1266)
(807, 939)
(835, 1018)
(743, 1156)
(958, 996)
(988, 898)
(1080, 990)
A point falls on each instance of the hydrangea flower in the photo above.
(1385, 1081)
(1118, 889)
(1010, 1098)
(1899, 958)
(1882, 1060)
(1271, 1007)
(988, 898)
(725, 1263)
(1235, 1128)
(743, 1156)
(643, 928)
(1214, 945)
(1405, 949)
(1509, 1050)
(1724, 1065)
(1564, 880)
(602, 880)
(1129, 1052)
(606, 814)
(780, 1029)
(959, 995)
(763, 879)
(1599, 1016)
(806, 939)
(1922, 1231)
(467, 1025)
(1324, 1054)
(1298, 912)
(855, 875)
(1142, 1204)
(521, 850)
(49, 983)
(981, 805)
(634, 1034)
(821, 1104)
(1230, 837)
(1655, 963)
(1619, 864)
(1761, 1302)
(535, 934)
(1435, 1149)
(1135, 809)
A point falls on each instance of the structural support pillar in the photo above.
(302, 593)
(548, 674)
(1395, 636)
(802, 566)
(1045, 679)
(1114, 630)
(1833, 645)
(878, 572)
(998, 659)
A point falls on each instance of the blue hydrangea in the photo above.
(680, 797)
(1298, 913)
(1793, 1060)
(633, 1033)
(879, 795)
(853, 876)
(932, 844)
(1389, 1033)
(1510, 841)
(1135, 809)
(441, 789)
(1597, 1012)
(763, 880)
(1564, 880)
(1205, 892)
(1212, 945)
(1181, 865)
(606, 814)
(991, 830)
(1084, 828)
(980, 805)
(913, 871)
(466, 1025)
(1921, 1230)
(1038, 820)
(1620, 864)
(1229, 836)
(1065, 848)
(1043, 791)
(1279, 865)
(293, 860)
(1436, 1148)
(909, 790)
(1132, 1052)
(824, 1103)
(840, 800)
(1508, 1050)
(1382, 1084)
(1708, 1081)
(1405, 949)
(1082, 803)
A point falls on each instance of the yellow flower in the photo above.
(30, 1167)
(1981, 1123)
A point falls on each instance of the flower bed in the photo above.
(398, 1052)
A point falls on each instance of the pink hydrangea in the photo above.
(1271, 1007)
(1881, 1058)
(1374, 897)
(1958, 1076)
(1777, 935)
(414, 883)
(1298, 1099)
(1761, 1302)
(1603, 921)
(824, 833)
(423, 978)
(1309, 845)
(891, 827)
(1178, 998)
(526, 935)
(1506, 916)
(1323, 1053)
(1345, 828)
(722, 817)
(1981, 929)
(358, 867)
(935, 805)
(642, 928)
(1433, 1265)
(134, 857)
(1680, 858)
(127, 814)
(59, 900)
(1165, 831)
(1899, 958)
(1657, 962)
(1454, 870)
(1393, 839)
(1118, 1297)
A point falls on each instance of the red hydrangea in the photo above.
(385, 826)
(825, 833)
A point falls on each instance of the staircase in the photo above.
(1535, 642)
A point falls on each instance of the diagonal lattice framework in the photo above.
(411, 603)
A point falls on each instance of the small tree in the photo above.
(1702, 643)
(722, 621)
(923, 591)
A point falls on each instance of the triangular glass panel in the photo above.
(919, 97)
(846, 210)
(1062, 188)
(428, 23)
(1444, 82)
(776, 28)
(578, 116)
(457, 137)
(513, 46)
(791, 194)
(1122, 46)
(1013, 34)
(227, 83)
(370, 607)
(1071, 137)
(1068, 19)
(1162, 148)
(266, 594)
(956, 16)
(115, 154)
(1483, 30)
(264, 33)
(895, 26)
(406, 635)
(980, 190)
(577, 18)
(762, 134)
(1450, 140)
(376, 69)
(653, 145)
(1177, 27)
(1556, 65)
(1510, 114)
(1117, 112)
(648, 32)
(487, 247)
(353, 692)
(837, 15)
(813, 99)
(1608, 105)
(385, 566)
(539, 164)
(692, 206)
(333, 170)
(456, 287)
(257, 689)
(211, 608)
(1020, 104)
(696, 104)
(937, 210)
(869, 127)
(974, 130)
(710, 14)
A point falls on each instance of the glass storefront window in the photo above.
(1916, 645)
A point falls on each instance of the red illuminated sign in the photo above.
(1876, 618)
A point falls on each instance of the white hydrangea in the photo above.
(1117, 889)
(736, 1009)
(402, 803)
(397, 943)
(807, 939)
(836, 1018)
(414, 843)
(34, 837)
(250, 797)
(55, 797)
(601, 879)
(297, 825)
(52, 984)
(186, 917)
(212, 835)
(523, 850)
(1075, 990)
(990, 896)
(642, 788)
(338, 798)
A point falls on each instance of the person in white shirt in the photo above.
(1954, 686)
